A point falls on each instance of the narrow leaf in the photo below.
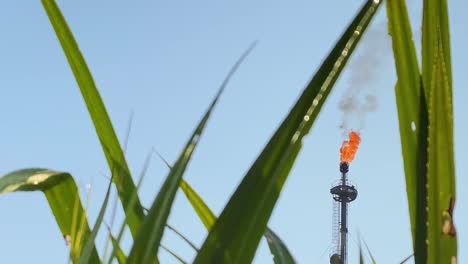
(63, 198)
(370, 253)
(442, 239)
(168, 250)
(105, 131)
(435, 25)
(204, 213)
(119, 254)
(89, 246)
(149, 236)
(116, 198)
(190, 243)
(131, 203)
(237, 232)
(279, 250)
(406, 259)
(413, 122)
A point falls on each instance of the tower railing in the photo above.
(343, 193)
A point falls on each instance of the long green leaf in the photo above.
(119, 254)
(132, 201)
(116, 198)
(172, 253)
(179, 234)
(435, 25)
(62, 195)
(237, 232)
(87, 249)
(370, 253)
(437, 78)
(279, 250)
(107, 137)
(149, 237)
(205, 214)
(442, 240)
(413, 122)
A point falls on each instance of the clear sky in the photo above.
(164, 61)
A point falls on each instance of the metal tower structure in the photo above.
(343, 193)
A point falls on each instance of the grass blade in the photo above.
(442, 239)
(413, 122)
(435, 25)
(149, 237)
(205, 214)
(237, 232)
(431, 207)
(119, 254)
(172, 253)
(406, 259)
(116, 199)
(105, 132)
(279, 250)
(190, 243)
(370, 253)
(87, 249)
(277, 247)
(132, 201)
(180, 259)
(62, 195)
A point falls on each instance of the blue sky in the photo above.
(164, 61)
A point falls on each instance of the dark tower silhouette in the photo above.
(343, 193)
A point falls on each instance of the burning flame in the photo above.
(349, 147)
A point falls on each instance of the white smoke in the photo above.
(365, 69)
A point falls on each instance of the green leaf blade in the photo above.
(131, 203)
(149, 237)
(87, 249)
(106, 134)
(205, 214)
(119, 254)
(442, 239)
(237, 232)
(413, 122)
(279, 250)
(435, 25)
(63, 198)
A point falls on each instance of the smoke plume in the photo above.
(365, 70)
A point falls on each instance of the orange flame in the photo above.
(349, 147)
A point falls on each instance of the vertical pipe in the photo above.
(344, 224)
